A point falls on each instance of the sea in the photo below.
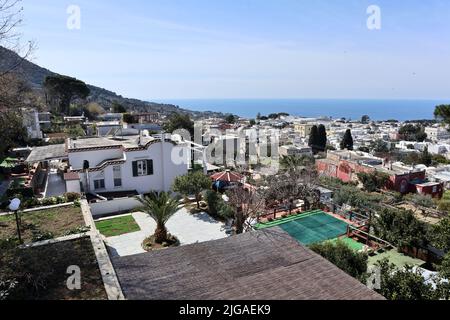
(352, 109)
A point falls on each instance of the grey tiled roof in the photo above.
(262, 265)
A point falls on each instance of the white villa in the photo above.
(120, 164)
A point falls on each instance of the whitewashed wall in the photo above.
(114, 206)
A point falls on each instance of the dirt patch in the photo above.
(44, 224)
(41, 272)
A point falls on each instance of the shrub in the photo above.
(72, 196)
(213, 200)
(49, 201)
(341, 255)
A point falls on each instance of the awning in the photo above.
(48, 153)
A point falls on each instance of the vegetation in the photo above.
(43, 224)
(160, 207)
(117, 226)
(341, 255)
(318, 139)
(365, 119)
(61, 90)
(347, 141)
(411, 132)
(231, 119)
(217, 206)
(373, 181)
(440, 235)
(379, 146)
(178, 121)
(352, 196)
(442, 113)
(289, 162)
(118, 108)
(194, 183)
(422, 201)
(406, 284)
(401, 228)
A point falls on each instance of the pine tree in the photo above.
(322, 138)
(314, 139)
(347, 141)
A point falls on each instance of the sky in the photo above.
(181, 49)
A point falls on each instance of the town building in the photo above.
(293, 150)
(133, 163)
(436, 134)
(345, 165)
(303, 130)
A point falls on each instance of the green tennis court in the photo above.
(312, 227)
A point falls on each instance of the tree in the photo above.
(231, 119)
(93, 110)
(246, 204)
(342, 256)
(160, 207)
(404, 284)
(426, 158)
(75, 131)
(379, 146)
(442, 113)
(314, 142)
(177, 121)
(10, 38)
(62, 90)
(401, 228)
(373, 181)
(118, 108)
(290, 163)
(411, 132)
(194, 183)
(440, 235)
(444, 267)
(347, 141)
(322, 138)
(252, 122)
(365, 119)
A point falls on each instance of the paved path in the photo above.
(187, 228)
(56, 186)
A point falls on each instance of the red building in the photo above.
(346, 165)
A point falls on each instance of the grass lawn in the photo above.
(41, 272)
(52, 223)
(117, 226)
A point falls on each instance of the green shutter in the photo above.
(135, 169)
(149, 167)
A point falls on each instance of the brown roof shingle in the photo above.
(262, 265)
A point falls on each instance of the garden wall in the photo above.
(111, 207)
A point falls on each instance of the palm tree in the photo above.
(160, 206)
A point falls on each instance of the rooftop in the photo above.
(52, 152)
(100, 142)
(261, 265)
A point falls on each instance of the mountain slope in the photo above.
(35, 76)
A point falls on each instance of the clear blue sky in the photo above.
(158, 49)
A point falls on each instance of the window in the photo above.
(99, 184)
(117, 175)
(142, 168)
